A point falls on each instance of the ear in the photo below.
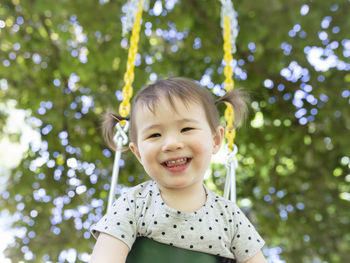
(135, 150)
(217, 139)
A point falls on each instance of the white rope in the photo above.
(231, 166)
(120, 139)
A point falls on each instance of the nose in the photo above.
(172, 143)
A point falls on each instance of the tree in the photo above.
(64, 62)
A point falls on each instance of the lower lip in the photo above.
(178, 169)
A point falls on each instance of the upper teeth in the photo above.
(176, 161)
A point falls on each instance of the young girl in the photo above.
(174, 130)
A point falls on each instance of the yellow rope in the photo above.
(124, 108)
(230, 132)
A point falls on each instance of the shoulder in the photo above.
(136, 197)
(140, 191)
(220, 201)
(222, 205)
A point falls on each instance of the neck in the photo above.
(184, 199)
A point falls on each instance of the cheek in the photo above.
(146, 155)
(204, 150)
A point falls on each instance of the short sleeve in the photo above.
(119, 222)
(246, 241)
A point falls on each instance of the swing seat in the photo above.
(146, 250)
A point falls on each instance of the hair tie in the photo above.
(119, 118)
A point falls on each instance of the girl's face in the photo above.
(175, 147)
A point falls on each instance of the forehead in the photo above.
(165, 112)
(173, 102)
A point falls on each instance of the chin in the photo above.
(181, 184)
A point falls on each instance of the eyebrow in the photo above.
(152, 126)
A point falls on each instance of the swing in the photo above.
(147, 250)
(144, 249)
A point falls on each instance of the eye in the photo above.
(186, 129)
(154, 135)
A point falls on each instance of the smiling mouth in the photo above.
(176, 162)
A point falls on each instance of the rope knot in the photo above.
(121, 138)
(231, 158)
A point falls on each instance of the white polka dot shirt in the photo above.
(219, 227)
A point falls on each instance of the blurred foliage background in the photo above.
(62, 64)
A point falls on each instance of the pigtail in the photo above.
(238, 99)
(108, 128)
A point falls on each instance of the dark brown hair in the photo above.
(188, 91)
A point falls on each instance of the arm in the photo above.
(257, 258)
(109, 249)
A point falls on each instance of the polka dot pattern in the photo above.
(219, 227)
